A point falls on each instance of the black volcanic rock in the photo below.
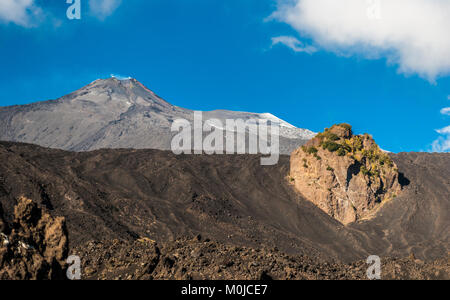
(191, 259)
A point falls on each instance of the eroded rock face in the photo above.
(345, 175)
(36, 245)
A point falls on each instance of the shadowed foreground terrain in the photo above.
(152, 195)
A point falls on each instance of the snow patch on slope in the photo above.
(274, 119)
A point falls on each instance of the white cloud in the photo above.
(442, 144)
(293, 43)
(27, 13)
(413, 34)
(445, 111)
(445, 130)
(21, 12)
(103, 8)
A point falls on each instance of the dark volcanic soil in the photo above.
(132, 194)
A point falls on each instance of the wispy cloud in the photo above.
(293, 43)
(120, 77)
(445, 130)
(20, 12)
(442, 144)
(412, 34)
(28, 13)
(102, 9)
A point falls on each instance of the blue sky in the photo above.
(234, 54)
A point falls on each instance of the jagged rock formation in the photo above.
(36, 245)
(345, 175)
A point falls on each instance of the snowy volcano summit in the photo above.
(115, 113)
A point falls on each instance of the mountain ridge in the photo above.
(113, 113)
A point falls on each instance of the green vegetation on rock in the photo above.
(341, 152)
(339, 139)
(346, 126)
(310, 150)
(330, 146)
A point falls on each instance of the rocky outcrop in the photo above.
(345, 175)
(36, 245)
